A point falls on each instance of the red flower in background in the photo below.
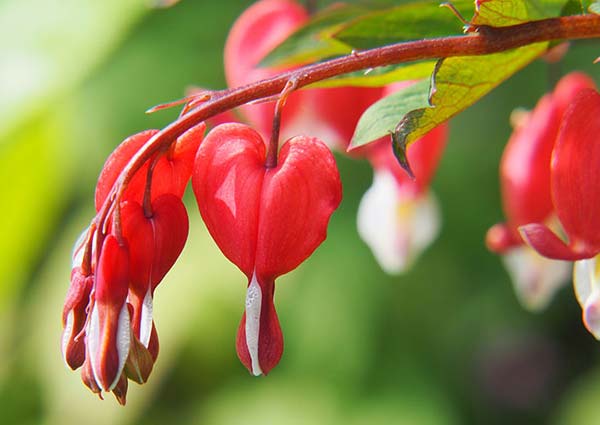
(526, 195)
(575, 183)
(265, 220)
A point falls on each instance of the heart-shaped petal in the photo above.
(227, 181)
(297, 200)
(265, 220)
(155, 242)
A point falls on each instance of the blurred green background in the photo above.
(446, 343)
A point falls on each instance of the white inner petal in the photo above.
(67, 333)
(123, 342)
(252, 328)
(376, 222)
(535, 278)
(397, 226)
(93, 341)
(146, 319)
(583, 279)
(591, 313)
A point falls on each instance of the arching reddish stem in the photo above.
(486, 41)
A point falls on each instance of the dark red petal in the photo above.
(227, 181)
(112, 274)
(108, 332)
(547, 244)
(576, 175)
(297, 200)
(75, 317)
(270, 341)
(115, 163)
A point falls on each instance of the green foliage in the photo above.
(314, 41)
(411, 21)
(458, 82)
(382, 117)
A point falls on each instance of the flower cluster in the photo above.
(268, 206)
(525, 182)
(108, 328)
(550, 187)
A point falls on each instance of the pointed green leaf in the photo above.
(406, 22)
(381, 118)
(501, 13)
(460, 82)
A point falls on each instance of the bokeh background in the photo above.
(446, 343)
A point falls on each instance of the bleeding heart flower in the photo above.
(399, 217)
(265, 220)
(575, 193)
(108, 334)
(525, 176)
(575, 196)
(155, 243)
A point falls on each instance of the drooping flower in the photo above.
(526, 195)
(575, 197)
(265, 220)
(398, 217)
(108, 326)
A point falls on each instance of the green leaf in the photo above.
(381, 76)
(460, 82)
(407, 22)
(313, 41)
(381, 118)
(595, 8)
(572, 7)
(501, 13)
